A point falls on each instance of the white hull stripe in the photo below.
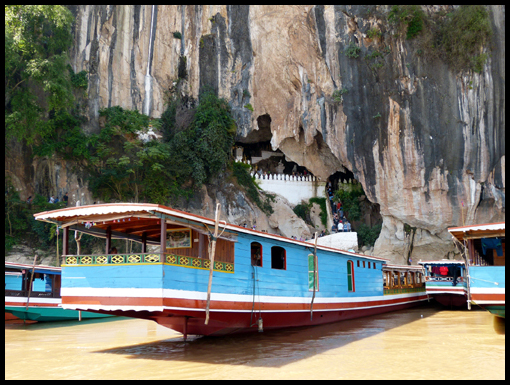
(53, 301)
(162, 308)
(198, 295)
(487, 290)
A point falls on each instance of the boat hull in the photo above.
(187, 315)
(43, 311)
(488, 288)
(46, 314)
(448, 295)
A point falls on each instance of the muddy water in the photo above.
(420, 343)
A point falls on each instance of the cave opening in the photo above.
(256, 149)
(363, 215)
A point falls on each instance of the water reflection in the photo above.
(419, 343)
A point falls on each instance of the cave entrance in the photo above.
(256, 148)
(363, 215)
(341, 177)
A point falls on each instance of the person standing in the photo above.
(65, 198)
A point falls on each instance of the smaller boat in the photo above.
(445, 282)
(483, 248)
(33, 293)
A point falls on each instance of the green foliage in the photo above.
(302, 210)
(177, 35)
(408, 18)
(79, 80)
(36, 41)
(460, 38)
(368, 235)
(242, 173)
(324, 213)
(20, 223)
(374, 33)
(124, 168)
(338, 94)
(349, 195)
(352, 51)
(463, 35)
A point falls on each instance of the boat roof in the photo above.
(402, 267)
(38, 268)
(442, 262)
(130, 220)
(486, 230)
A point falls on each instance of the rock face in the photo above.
(426, 143)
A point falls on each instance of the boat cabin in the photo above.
(43, 283)
(402, 279)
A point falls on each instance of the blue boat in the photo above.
(446, 282)
(206, 277)
(483, 248)
(33, 293)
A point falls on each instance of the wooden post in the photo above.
(30, 285)
(65, 246)
(144, 242)
(314, 274)
(108, 239)
(212, 251)
(163, 239)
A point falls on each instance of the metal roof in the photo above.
(486, 230)
(129, 220)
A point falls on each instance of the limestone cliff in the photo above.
(427, 143)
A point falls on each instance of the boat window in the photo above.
(363, 263)
(374, 265)
(358, 263)
(369, 265)
(256, 254)
(278, 258)
(350, 276)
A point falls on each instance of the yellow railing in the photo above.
(145, 258)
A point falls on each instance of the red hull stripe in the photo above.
(488, 297)
(30, 304)
(178, 303)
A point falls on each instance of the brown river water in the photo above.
(420, 343)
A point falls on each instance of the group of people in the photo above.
(54, 199)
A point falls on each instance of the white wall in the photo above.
(342, 241)
(294, 189)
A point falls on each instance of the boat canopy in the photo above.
(442, 262)
(38, 268)
(487, 230)
(141, 222)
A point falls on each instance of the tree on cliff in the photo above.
(37, 79)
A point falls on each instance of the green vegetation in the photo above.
(408, 19)
(302, 210)
(463, 35)
(352, 50)
(242, 173)
(338, 95)
(368, 235)
(20, 223)
(459, 37)
(348, 194)
(177, 35)
(38, 83)
(374, 33)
